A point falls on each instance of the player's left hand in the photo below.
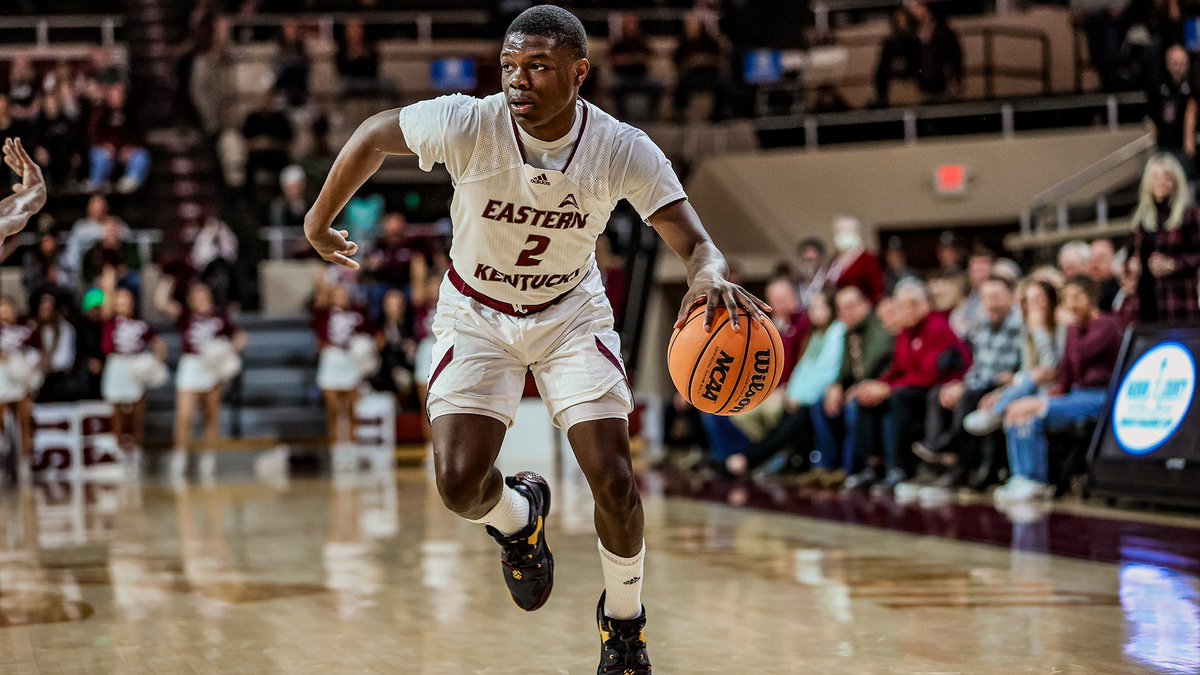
(30, 193)
(334, 246)
(717, 292)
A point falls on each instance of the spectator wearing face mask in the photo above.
(853, 264)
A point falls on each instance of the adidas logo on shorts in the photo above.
(540, 179)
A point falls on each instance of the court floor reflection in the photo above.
(367, 572)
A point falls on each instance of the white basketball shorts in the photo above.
(480, 357)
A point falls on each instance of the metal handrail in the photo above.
(422, 20)
(1055, 194)
(107, 24)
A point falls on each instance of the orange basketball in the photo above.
(723, 372)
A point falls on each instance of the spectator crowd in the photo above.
(977, 376)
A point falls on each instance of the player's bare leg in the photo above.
(513, 509)
(602, 450)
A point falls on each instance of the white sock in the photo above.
(510, 515)
(622, 583)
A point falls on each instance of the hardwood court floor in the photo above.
(370, 574)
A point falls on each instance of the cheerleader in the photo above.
(134, 361)
(349, 354)
(19, 377)
(211, 347)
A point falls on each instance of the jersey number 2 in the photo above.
(539, 245)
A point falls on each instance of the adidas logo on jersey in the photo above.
(540, 179)
(569, 200)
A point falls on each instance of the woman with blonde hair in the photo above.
(1165, 253)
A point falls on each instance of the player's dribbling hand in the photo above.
(333, 246)
(717, 292)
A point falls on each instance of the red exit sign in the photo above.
(950, 179)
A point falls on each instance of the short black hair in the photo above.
(1089, 287)
(813, 243)
(555, 24)
(997, 279)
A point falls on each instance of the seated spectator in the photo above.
(116, 253)
(853, 264)
(357, 60)
(318, 159)
(43, 268)
(59, 142)
(811, 270)
(866, 356)
(817, 369)
(113, 140)
(996, 350)
(292, 64)
(23, 89)
(1102, 271)
(634, 92)
(1074, 258)
(1165, 252)
(980, 267)
(103, 70)
(1042, 342)
(399, 352)
(289, 207)
(268, 134)
(1093, 343)
(895, 264)
(87, 231)
(949, 254)
(392, 256)
(56, 336)
(698, 60)
(948, 294)
(887, 412)
(793, 327)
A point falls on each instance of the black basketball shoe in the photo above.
(622, 644)
(528, 564)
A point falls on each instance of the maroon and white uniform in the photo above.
(524, 291)
(19, 345)
(126, 344)
(196, 334)
(335, 329)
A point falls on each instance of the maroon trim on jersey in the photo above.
(499, 305)
(607, 353)
(574, 148)
(446, 359)
(578, 141)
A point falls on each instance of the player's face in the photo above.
(539, 78)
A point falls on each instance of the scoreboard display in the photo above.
(1147, 444)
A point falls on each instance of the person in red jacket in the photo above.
(853, 264)
(886, 413)
(1093, 346)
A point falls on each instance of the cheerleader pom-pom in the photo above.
(150, 371)
(222, 358)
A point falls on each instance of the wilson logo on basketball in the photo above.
(758, 381)
(716, 377)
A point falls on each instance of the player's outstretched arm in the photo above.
(29, 196)
(680, 226)
(375, 139)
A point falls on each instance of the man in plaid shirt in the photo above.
(996, 345)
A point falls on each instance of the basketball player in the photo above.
(29, 196)
(537, 172)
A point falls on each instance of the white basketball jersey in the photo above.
(521, 234)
